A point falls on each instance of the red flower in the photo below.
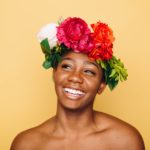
(103, 38)
(74, 33)
(102, 53)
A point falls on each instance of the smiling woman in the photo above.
(83, 64)
(77, 80)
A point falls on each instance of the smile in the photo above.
(73, 93)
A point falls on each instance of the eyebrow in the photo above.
(86, 62)
(66, 58)
(92, 63)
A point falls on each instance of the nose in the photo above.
(75, 77)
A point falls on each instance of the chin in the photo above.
(77, 107)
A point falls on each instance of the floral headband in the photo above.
(73, 34)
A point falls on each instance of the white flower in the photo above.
(49, 31)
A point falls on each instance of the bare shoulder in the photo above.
(25, 140)
(31, 138)
(120, 133)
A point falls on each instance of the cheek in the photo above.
(59, 78)
(93, 85)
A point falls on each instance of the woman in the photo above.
(83, 64)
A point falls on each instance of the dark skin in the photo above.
(76, 125)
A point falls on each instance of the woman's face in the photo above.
(77, 81)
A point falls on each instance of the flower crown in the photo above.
(73, 34)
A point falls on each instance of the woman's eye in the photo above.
(89, 72)
(66, 66)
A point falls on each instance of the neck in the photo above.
(75, 121)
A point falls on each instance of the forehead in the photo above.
(80, 58)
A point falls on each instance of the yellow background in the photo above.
(26, 90)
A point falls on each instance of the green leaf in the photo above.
(61, 19)
(103, 65)
(112, 84)
(47, 64)
(58, 57)
(113, 72)
(45, 46)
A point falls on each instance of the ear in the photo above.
(101, 87)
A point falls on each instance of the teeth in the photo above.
(73, 91)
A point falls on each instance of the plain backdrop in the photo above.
(27, 96)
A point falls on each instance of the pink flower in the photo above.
(75, 34)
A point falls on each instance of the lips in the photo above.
(72, 93)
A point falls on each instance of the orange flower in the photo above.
(102, 32)
(103, 38)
